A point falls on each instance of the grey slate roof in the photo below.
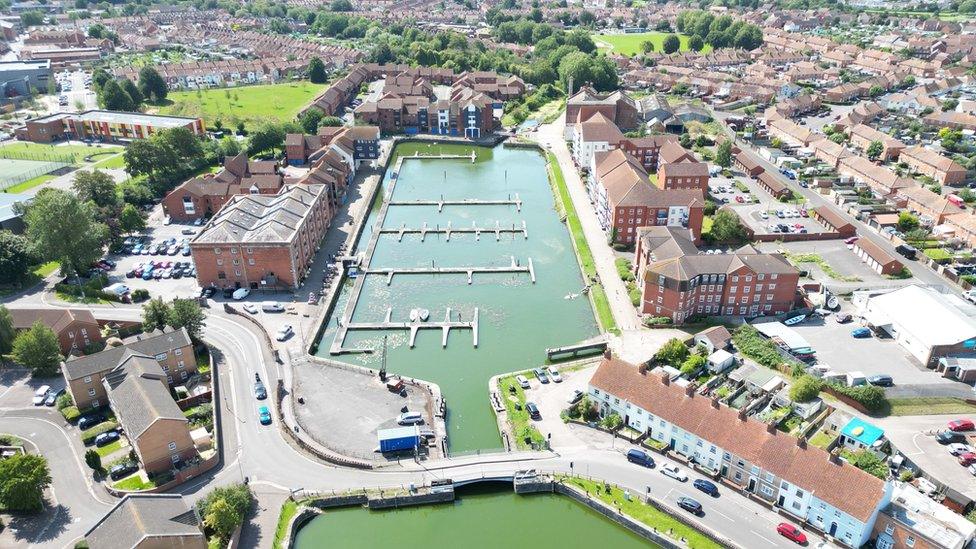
(152, 345)
(140, 516)
(139, 394)
(262, 218)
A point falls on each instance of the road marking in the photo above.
(723, 515)
(760, 536)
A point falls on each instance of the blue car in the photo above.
(860, 333)
(264, 415)
(707, 487)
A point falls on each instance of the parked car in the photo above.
(240, 293)
(312, 298)
(575, 397)
(908, 251)
(522, 381)
(410, 418)
(540, 375)
(89, 421)
(843, 318)
(690, 505)
(251, 308)
(123, 469)
(967, 458)
(958, 449)
(264, 415)
(284, 332)
(106, 438)
(960, 425)
(227, 292)
(640, 458)
(272, 307)
(860, 333)
(673, 472)
(948, 437)
(40, 395)
(52, 397)
(555, 376)
(791, 533)
(533, 411)
(707, 487)
(881, 380)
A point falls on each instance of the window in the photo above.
(71, 334)
(773, 276)
(178, 352)
(910, 541)
(772, 286)
(169, 379)
(250, 261)
(796, 505)
(87, 379)
(755, 470)
(237, 262)
(172, 446)
(161, 356)
(889, 529)
(766, 490)
(250, 250)
(217, 251)
(220, 262)
(91, 392)
(84, 331)
(735, 278)
(738, 475)
(233, 250)
(180, 365)
(183, 374)
(175, 458)
(733, 289)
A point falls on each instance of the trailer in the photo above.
(399, 439)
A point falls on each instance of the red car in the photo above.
(851, 240)
(967, 458)
(791, 533)
(739, 199)
(961, 425)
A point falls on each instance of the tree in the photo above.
(695, 43)
(37, 349)
(130, 88)
(647, 46)
(673, 352)
(309, 120)
(23, 479)
(907, 222)
(131, 220)
(692, 364)
(267, 137)
(64, 229)
(727, 228)
(7, 331)
(155, 315)
(15, 258)
(805, 388)
(671, 43)
(186, 313)
(31, 18)
(112, 97)
(875, 90)
(837, 138)
(316, 71)
(93, 460)
(341, 5)
(222, 518)
(330, 121)
(151, 85)
(95, 186)
(866, 460)
(723, 154)
(875, 149)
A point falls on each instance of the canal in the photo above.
(517, 319)
(479, 518)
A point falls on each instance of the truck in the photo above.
(398, 439)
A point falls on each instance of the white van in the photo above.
(410, 418)
(241, 293)
(522, 381)
(272, 307)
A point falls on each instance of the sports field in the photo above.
(72, 154)
(252, 104)
(630, 44)
(13, 172)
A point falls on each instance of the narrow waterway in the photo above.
(518, 319)
(477, 519)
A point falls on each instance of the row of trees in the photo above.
(181, 313)
(123, 94)
(719, 32)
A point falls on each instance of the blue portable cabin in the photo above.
(399, 439)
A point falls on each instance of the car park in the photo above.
(673, 472)
(961, 425)
(284, 332)
(40, 395)
(791, 533)
(264, 415)
(707, 487)
(640, 458)
(106, 438)
(124, 469)
(533, 411)
(522, 381)
(690, 505)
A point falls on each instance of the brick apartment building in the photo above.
(683, 175)
(863, 135)
(625, 199)
(646, 149)
(263, 241)
(470, 115)
(204, 196)
(678, 282)
(928, 162)
(361, 143)
(173, 350)
(616, 106)
(102, 126)
(76, 328)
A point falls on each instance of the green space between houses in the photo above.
(29, 184)
(647, 514)
(819, 261)
(597, 294)
(250, 104)
(116, 162)
(544, 115)
(288, 510)
(54, 153)
(108, 449)
(929, 406)
(522, 428)
(630, 43)
(134, 482)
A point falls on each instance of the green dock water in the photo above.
(518, 319)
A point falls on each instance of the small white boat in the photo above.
(414, 315)
(424, 315)
(795, 320)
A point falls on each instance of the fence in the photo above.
(7, 154)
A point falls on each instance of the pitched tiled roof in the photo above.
(140, 394)
(140, 516)
(152, 345)
(56, 319)
(840, 484)
(261, 218)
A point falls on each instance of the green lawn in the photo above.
(113, 162)
(929, 406)
(134, 482)
(597, 294)
(630, 44)
(29, 184)
(251, 104)
(53, 153)
(109, 448)
(647, 514)
(45, 269)
(522, 426)
(288, 510)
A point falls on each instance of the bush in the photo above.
(70, 413)
(65, 401)
(692, 364)
(805, 388)
(88, 436)
(906, 476)
(657, 320)
(754, 345)
(673, 353)
(869, 396)
(140, 295)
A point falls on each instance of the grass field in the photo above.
(929, 406)
(53, 153)
(630, 44)
(29, 184)
(251, 104)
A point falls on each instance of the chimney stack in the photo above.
(665, 378)
(771, 428)
(801, 443)
(742, 414)
(607, 354)
(834, 456)
(715, 403)
(690, 390)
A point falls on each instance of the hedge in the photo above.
(88, 436)
(754, 345)
(869, 396)
(70, 413)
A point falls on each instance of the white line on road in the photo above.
(723, 515)
(760, 536)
